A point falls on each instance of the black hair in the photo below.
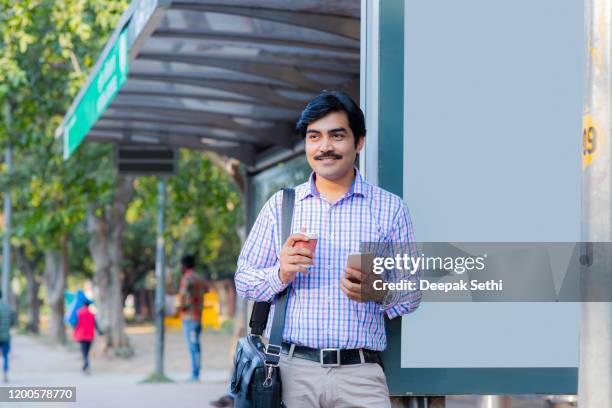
(332, 101)
(188, 261)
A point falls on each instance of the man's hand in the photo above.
(294, 260)
(359, 287)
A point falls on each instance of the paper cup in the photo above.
(311, 244)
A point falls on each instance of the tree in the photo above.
(29, 260)
(106, 224)
(46, 48)
(202, 217)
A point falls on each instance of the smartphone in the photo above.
(361, 261)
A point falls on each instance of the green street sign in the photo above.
(100, 91)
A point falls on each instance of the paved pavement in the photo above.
(116, 382)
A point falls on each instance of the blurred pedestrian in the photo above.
(84, 332)
(7, 319)
(78, 301)
(191, 293)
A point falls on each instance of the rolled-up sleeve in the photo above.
(257, 277)
(401, 240)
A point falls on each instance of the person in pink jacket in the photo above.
(84, 332)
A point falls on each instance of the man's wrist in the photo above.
(280, 276)
(274, 279)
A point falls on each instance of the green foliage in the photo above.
(47, 49)
(202, 217)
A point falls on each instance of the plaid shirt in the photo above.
(319, 314)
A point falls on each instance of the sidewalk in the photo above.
(115, 382)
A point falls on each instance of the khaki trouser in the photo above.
(306, 384)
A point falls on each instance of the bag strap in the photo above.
(261, 310)
(273, 349)
(259, 317)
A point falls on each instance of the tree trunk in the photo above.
(105, 244)
(56, 270)
(28, 267)
(33, 310)
(230, 166)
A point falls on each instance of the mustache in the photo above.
(330, 155)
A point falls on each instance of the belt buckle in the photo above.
(322, 357)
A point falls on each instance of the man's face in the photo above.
(330, 146)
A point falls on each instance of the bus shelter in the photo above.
(446, 95)
(228, 77)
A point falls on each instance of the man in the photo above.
(191, 292)
(332, 335)
(7, 319)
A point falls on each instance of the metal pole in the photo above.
(6, 241)
(595, 371)
(160, 274)
(495, 401)
(250, 220)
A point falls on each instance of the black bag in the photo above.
(250, 382)
(256, 379)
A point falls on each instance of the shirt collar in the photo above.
(310, 190)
